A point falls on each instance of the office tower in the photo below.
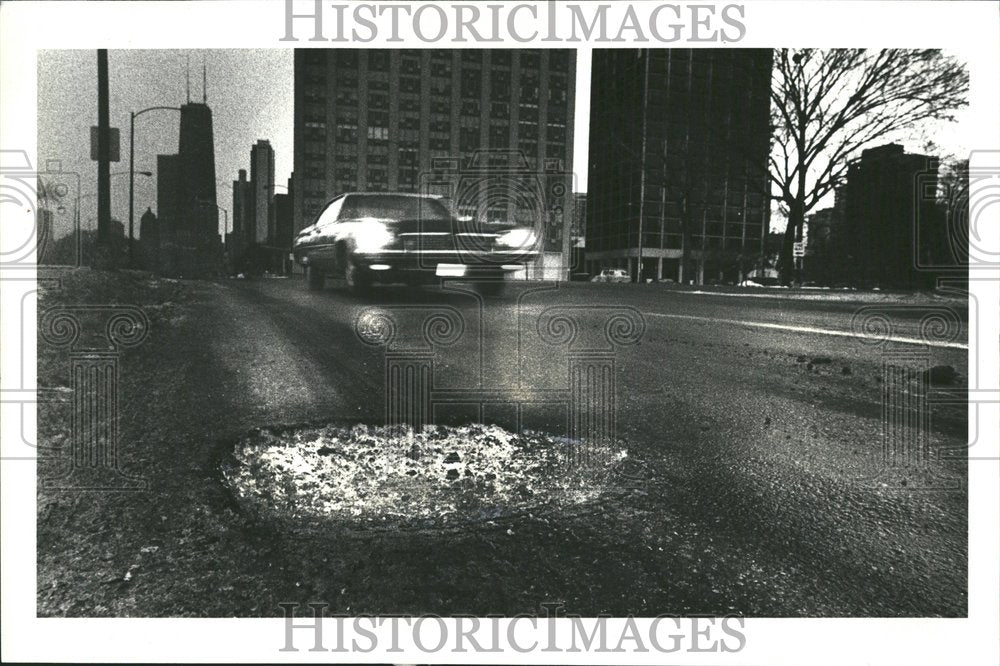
(492, 130)
(679, 141)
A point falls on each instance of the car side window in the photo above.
(330, 214)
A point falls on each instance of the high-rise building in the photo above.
(243, 219)
(491, 129)
(679, 142)
(262, 189)
(185, 197)
(882, 205)
(167, 186)
(149, 239)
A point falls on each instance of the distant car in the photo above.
(612, 275)
(368, 238)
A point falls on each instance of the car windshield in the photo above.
(393, 207)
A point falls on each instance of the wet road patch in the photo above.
(383, 478)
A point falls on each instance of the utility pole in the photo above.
(103, 163)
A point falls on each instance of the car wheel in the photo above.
(355, 278)
(314, 278)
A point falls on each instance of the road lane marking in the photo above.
(810, 329)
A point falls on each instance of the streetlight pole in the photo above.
(131, 175)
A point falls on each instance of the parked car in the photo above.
(612, 275)
(380, 238)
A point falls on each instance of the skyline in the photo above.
(251, 94)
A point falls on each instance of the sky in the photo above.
(251, 94)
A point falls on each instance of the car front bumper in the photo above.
(390, 265)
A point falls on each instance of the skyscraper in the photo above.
(679, 142)
(434, 121)
(186, 203)
(262, 190)
(196, 153)
(243, 218)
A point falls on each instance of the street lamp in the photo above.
(131, 174)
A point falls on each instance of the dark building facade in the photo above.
(188, 215)
(490, 129)
(882, 206)
(283, 224)
(242, 214)
(262, 191)
(149, 239)
(679, 143)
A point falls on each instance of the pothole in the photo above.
(384, 478)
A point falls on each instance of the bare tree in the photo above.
(828, 105)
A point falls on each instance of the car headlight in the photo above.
(372, 236)
(520, 239)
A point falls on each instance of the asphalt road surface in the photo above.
(756, 481)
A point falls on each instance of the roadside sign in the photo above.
(114, 151)
(799, 249)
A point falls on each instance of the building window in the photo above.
(528, 111)
(499, 136)
(500, 57)
(500, 85)
(441, 87)
(346, 57)
(472, 83)
(499, 110)
(347, 132)
(408, 177)
(347, 97)
(378, 133)
(378, 60)
(527, 129)
(410, 66)
(531, 59)
(529, 89)
(408, 156)
(556, 133)
(470, 108)
(469, 138)
(409, 84)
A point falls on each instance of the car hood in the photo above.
(408, 226)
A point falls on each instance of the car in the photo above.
(370, 238)
(612, 275)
